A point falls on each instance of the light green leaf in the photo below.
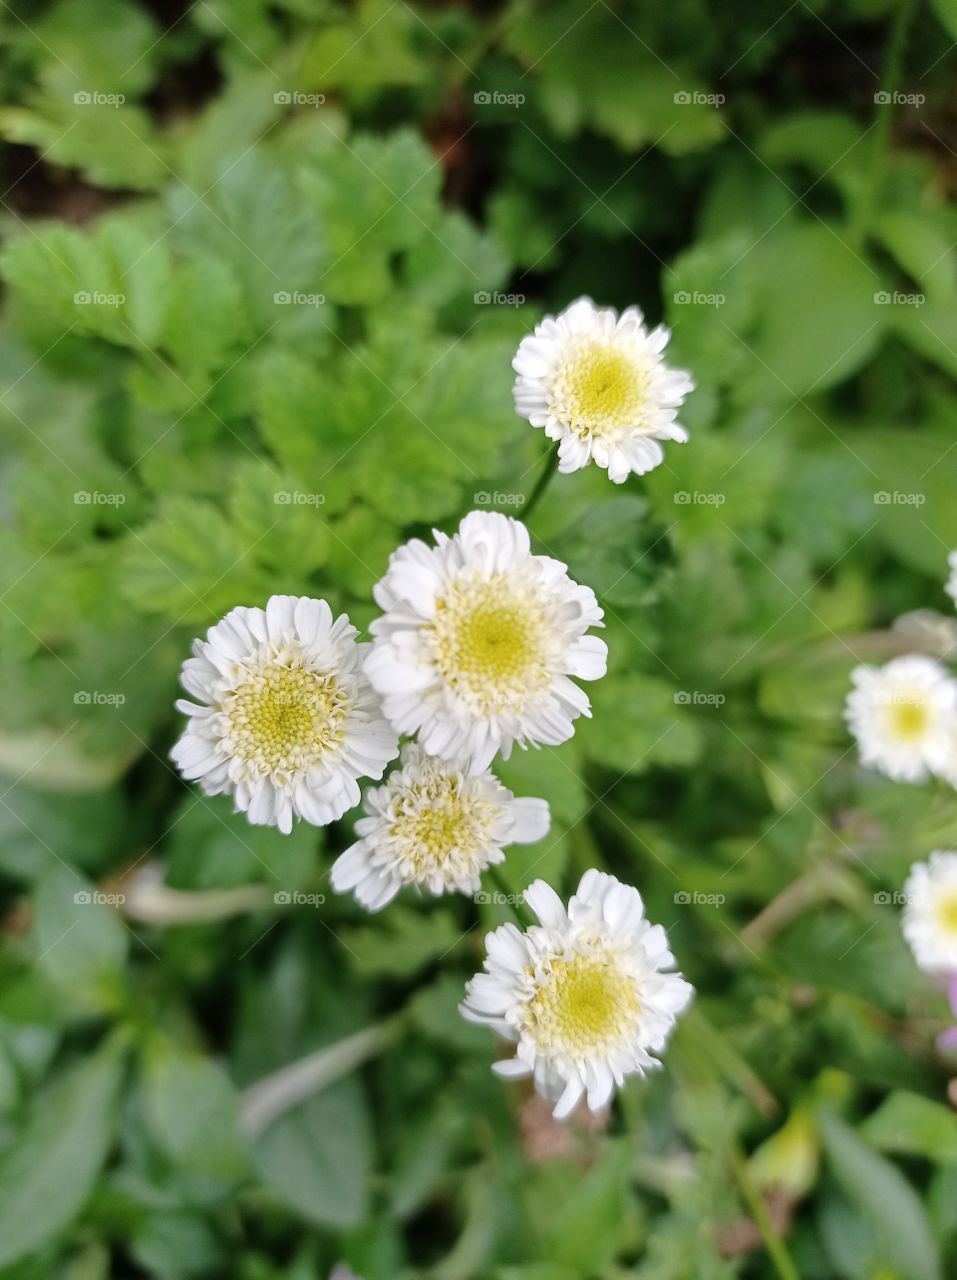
(192, 1112)
(875, 1186)
(80, 939)
(47, 1173)
(316, 1159)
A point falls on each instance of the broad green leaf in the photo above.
(81, 941)
(192, 1112)
(316, 1159)
(48, 1171)
(912, 1125)
(638, 721)
(875, 1186)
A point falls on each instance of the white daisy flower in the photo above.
(582, 994)
(597, 383)
(904, 716)
(435, 825)
(951, 587)
(930, 915)
(478, 640)
(286, 720)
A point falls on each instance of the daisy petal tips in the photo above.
(596, 381)
(585, 995)
(284, 719)
(436, 826)
(930, 913)
(478, 641)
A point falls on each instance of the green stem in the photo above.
(777, 1249)
(269, 1098)
(541, 484)
(890, 80)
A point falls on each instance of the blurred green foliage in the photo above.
(266, 265)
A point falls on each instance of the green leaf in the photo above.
(68, 43)
(371, 49)
(113, 144)
(212, 847)
(921, 244)
(946, 11)
(397, 945)
(80, 939)
(885, 1199)
(585, 1234)
(912, 1125)
(316, 1159)
(651, 725)
(46, 1175)
(800, 346)
(204, 318)
(192, 1112)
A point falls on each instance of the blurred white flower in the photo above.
(597, 383)
(436, 826)
(286, 721)
(904, 717)
(478, 640)
(930, 914)
(582, 994)
(951, 587)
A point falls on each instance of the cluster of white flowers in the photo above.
(904, 718)
(477, 648)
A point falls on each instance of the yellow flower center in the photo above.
(439, 828)
(585, 1006)
(909, 718)
(490, 642)
(947, 912)
(599, 388)
(284, 717)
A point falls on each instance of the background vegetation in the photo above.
(266, 265)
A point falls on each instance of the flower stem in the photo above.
(146, 898)
(893, 65)
(541, 484)
(777, 1249)
(269, 1098)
